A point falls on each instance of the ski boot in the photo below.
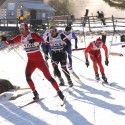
(70, 83)
(36, 95)
(61, 81)
(62, 97)
(60, 94)
(97, 77)
(71, 70)
(104, 78)
(69, 67)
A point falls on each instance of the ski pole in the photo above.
(62, 68)
(22, 58)
(78, 58)
(110, 44)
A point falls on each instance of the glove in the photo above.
(87, 63)
(3, 38)
(31, 41)
(106, 62)
(46, 57)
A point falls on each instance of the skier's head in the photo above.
(24, 28)
(68, 28)
(53, 31)
(98, 42)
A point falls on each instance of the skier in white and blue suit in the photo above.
(70, 35)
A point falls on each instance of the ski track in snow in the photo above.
(88, 103)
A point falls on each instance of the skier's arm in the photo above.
(76, 40)
(46, 47)
(106, 54)
(64, 38)
(37, 38)
(45, 43)
(87, 50)
(106, 50)
(16, 39)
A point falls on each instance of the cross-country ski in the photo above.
(31, 102)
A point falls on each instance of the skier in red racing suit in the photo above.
(31, 42)
(95, 54)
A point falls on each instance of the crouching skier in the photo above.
(58, 55)
(95, 54)
(31, 42)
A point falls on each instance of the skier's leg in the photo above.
(55, 61)
(44, 69)
(64, 69)
(101, 68)
(58, 73)
(28, 72)
(69, 51)
(102, 72)
(95, 67)
(56, 69)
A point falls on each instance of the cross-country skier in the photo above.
(31, 42)
(95, 54)
(70, 35)
(58, 54)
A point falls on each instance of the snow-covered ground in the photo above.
(90, 103)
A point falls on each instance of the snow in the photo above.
(89, 103)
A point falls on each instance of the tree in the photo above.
(61, 7)
(116, 3)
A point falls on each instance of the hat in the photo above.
(68, 28)
(98, 41)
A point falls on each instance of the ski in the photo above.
(65, 88)
(31, 102)
(76, 78)
(12, 96)
(70, 90)
(103, 82)
(16, 88)
(19, 95)
(63, 102)
(106, 83)
(78, 49)
(98, 81)
(75, 75)
(115, 54)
